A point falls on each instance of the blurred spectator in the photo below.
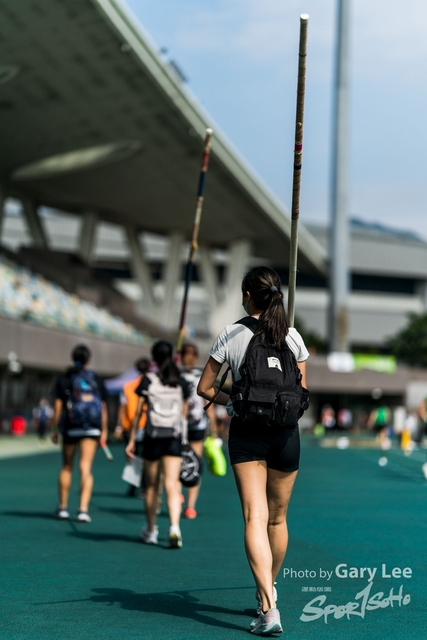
(344, 419)
(327, 416)
(422, 414)
(380, 421)
(42, 417)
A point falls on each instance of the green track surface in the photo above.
(69, 581)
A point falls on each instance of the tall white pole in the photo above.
(339, 230)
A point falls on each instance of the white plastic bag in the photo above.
(132, 472)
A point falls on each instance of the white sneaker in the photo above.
(267, 623)
(258, 597)
(149, 537)
(175, 538)
(62, 514)
(83, 516)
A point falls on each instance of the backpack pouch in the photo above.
(261, 404)
(288, 409)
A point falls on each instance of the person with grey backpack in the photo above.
(166, 394)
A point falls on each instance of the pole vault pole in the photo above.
(296, 188)
(194, 238)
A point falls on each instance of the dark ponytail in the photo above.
(265, 288)
(80, 355)
(162, 356)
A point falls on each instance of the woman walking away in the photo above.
(198, 419)
(267, 361)
(80, 408)
(166, 393)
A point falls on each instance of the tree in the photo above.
(311, 338)
(410, 344)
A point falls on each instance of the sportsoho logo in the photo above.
(364, 600)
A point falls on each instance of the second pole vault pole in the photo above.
(194, 238)
(296, 188)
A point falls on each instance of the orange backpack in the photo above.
(131, 405)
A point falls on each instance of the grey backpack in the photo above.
(165, 406)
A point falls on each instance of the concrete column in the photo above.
(230, 308)
(209, 275)
(422, 293)
(34, 223)
(172, 278)
(140, 269)
(87, 237)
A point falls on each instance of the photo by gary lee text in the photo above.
(345, 571)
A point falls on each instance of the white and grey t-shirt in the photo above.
(197, 418)
(231, 344)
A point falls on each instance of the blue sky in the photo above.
(240, 57)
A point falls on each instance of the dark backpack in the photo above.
(84, 405)
(191, 467)
(270, 389)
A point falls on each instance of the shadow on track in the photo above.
(45, 515)
(173, 603)
(103, 537)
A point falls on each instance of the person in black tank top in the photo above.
(264, 457)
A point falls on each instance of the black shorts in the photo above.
(196, 435)
(380, 427)
(66, 439)
(279, 447)
(156, 448)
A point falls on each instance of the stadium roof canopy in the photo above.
(80, 78)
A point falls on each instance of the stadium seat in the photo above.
(27, 296)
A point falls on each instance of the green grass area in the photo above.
(98, 581)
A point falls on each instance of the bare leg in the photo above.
(264, 494)
(160, 483)
(193, 492)
(279, 490)
(88, 448)
(251, 480)
(151, 475)
(172, 469)
(65, 475)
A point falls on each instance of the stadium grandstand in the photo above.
(100, 136)
(25, 295)
(101, 148)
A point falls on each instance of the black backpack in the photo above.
(270, 389)
(191, 467)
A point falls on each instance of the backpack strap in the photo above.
(221, 384)
(249, 322)
(252, 324)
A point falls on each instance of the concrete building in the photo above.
(388, 282)
(388, 268)
(97, 123)
(101, 145)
